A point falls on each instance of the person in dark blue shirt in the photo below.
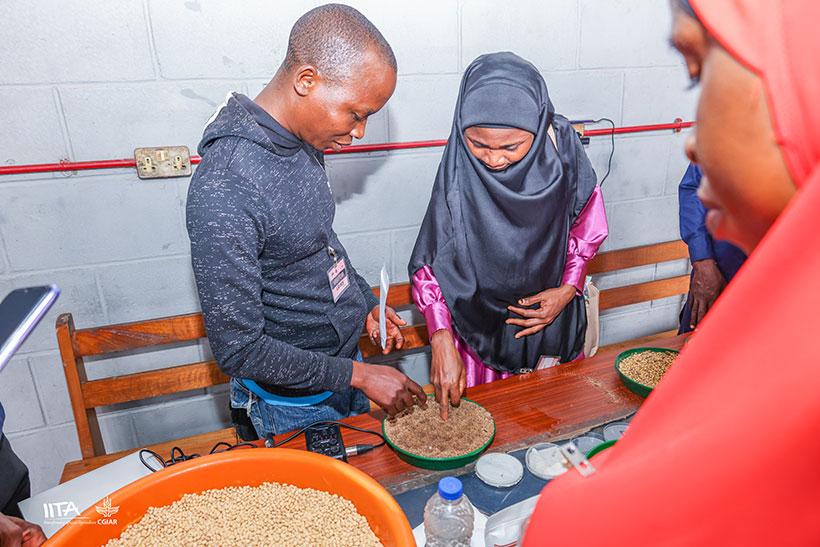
(714, 262)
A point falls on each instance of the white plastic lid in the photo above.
(499, 470)
(545, 461)
(613, 431)
(587, 442)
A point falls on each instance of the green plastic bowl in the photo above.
(439, 463)
(632, 385)
(600, 448)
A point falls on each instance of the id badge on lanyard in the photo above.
(337, 276)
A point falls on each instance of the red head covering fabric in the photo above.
(726, 450)
(778, 40)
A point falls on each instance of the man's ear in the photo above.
(305, 79)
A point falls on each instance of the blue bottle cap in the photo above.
(450, 488)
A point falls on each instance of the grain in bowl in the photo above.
(268, 514)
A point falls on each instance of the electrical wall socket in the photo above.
(580, 128)
(163, 162)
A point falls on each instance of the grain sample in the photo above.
(422, 432)
(647, 367)
(269, 514)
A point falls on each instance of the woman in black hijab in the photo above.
(515, 214)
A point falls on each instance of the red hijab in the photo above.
(727, 449)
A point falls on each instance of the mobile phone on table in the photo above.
(20, 312)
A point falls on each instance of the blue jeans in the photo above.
(276, 419)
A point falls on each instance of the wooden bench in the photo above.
(111, 340)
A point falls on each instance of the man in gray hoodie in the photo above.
(283, 306)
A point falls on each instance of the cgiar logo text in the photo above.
(107, 510)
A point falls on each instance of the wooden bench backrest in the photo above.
(75, 344)
(86, 395)
(633, 257)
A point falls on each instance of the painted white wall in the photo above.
(87, 80)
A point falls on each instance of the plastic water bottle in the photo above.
(448, 516)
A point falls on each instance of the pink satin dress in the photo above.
(585, 237)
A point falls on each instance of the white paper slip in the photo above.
(384, 287)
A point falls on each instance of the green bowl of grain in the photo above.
(469, 423)
(641, 369)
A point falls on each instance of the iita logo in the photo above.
(60, 510)
(107, 510)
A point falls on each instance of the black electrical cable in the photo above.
(157, 456)
(324, 422)
(178, 456)
(611, 152)
(230, 446)
(183, 457)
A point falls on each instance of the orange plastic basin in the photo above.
(243, 467)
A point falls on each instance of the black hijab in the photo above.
(493, 237)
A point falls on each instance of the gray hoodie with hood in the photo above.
(259, 215)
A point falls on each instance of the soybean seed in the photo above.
(647, 367)
(269, 514)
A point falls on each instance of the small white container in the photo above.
(613, 431)
(499, 470)
(587, 442)
(545, 461)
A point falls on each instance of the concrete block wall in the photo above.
(85, 80)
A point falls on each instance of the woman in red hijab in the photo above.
(726, 448)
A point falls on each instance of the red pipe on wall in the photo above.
(66, 166)
(677, 126)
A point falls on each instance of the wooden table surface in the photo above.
(551, 404)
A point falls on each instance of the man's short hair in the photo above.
(334, 38)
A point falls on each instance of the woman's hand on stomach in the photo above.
(550, 303)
